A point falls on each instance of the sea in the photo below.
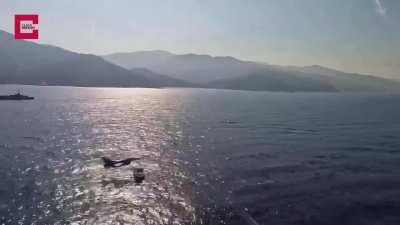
(209, 157)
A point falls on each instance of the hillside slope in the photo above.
(24, 62)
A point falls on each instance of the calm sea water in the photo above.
(210, 157)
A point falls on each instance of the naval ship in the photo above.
(16, 96)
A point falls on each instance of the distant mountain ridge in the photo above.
(231, 73)
(189, 67)
(275, 80)
(23, 62)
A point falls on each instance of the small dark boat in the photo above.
(17, 96)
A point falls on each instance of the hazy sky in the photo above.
(352, 35)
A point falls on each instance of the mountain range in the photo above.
(231, 73)
(24, 62)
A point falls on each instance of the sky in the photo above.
(360, 36)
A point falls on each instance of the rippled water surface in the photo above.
(210, 157)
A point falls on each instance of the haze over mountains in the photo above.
(190, 67)
(231, 73)
(24, 62)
